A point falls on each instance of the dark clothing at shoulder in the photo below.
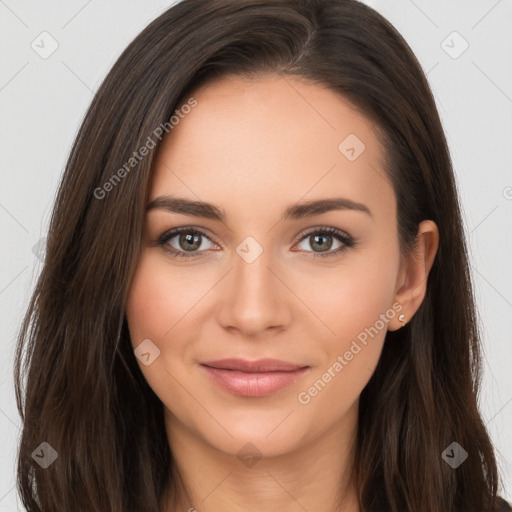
(502, 505)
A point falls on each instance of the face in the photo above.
(260, 275)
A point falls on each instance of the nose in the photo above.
(255, 298)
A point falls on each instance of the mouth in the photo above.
(253, 378)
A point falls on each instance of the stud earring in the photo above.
(401, 318)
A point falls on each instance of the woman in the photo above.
(256, 292)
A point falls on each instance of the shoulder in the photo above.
(502, 505)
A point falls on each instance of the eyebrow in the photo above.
(297, 211)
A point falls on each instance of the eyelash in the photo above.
(347, 241)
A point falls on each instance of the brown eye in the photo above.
(189, 242)
(181, 241)
(320, 243)
(325, 242)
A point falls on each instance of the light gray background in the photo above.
(42, 102)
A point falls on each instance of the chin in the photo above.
(266, 438)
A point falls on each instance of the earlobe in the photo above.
(398, 322)
(416, 268)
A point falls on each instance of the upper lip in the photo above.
(261, 365)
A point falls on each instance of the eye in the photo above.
(189, 242)
(322, 240)
(180, 241)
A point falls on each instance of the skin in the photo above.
(253, 148)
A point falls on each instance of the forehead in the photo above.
(272, 138)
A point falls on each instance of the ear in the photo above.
(411, 284)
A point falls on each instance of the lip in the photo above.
(253, 378)
(261, 365)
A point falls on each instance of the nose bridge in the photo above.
(252, 277)
(254, 298)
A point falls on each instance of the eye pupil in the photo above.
(324, 247)
(192, 241)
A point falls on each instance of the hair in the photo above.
(84, 392)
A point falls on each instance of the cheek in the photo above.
(144, 308)
(163, 305)
(153, 309)
(355, 295)
(352, 356)
(159, 300)
(156, 310)
(357, 308)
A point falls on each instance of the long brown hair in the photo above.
(84, 393)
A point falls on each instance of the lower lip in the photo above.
(253, 384)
